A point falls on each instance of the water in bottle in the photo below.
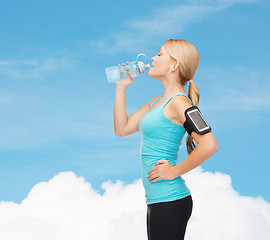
(117, 73)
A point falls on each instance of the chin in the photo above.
(153, 74)
(150, 73)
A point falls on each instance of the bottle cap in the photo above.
(142, 66)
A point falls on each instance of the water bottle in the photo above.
(117, 73)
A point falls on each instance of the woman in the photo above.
(160, 122)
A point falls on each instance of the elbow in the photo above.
(118, 134)
(213, 148)
(210, 147)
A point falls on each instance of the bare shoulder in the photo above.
(152, 100)
(155, 98)
(179, 105)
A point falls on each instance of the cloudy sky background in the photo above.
(59, 156)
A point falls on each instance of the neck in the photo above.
(171, 87)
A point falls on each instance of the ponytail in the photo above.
(194, 95)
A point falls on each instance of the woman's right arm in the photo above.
(120, 113)
(125, 125)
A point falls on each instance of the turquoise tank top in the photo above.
(161, 139)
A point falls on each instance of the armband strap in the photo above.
(195, 121)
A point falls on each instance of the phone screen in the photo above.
(198, 120)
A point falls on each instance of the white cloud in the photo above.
(67, 207)
(143, 33)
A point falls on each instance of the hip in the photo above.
(165, 190)
(187, 200)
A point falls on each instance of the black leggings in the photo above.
(168, 220)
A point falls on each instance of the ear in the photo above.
(175, 66)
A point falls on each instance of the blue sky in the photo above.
(57, 107)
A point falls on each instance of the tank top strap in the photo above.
(176, 95)
(154, 102)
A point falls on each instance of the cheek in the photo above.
(158, 70)
(162, 67)
(162, 64)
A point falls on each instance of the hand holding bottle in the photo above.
(126, 82)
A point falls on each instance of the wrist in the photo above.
(120, 85)
(177, 172)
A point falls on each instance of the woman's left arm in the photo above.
(206, 146)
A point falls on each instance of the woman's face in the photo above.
(161, 64)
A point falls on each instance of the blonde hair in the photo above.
(187, 55)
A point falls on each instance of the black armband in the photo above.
(195, 121)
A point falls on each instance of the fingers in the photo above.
(123, 63)
(154, 169)
(153, 172)
(157, 179)
(152, 176)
